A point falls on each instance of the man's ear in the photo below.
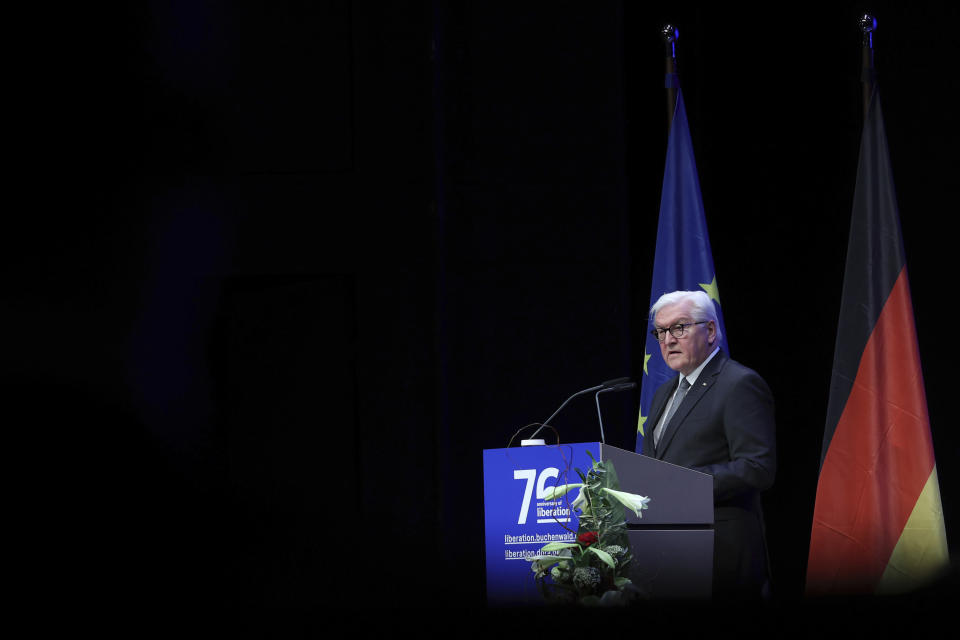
(711, 333)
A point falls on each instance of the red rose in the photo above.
(587, 538)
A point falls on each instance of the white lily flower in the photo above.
(540, 564)
(538, 561)
(552, 493)
(580, 501)
(630, 500)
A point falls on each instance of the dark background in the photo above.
(281, 271)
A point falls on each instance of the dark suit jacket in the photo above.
(725, 427)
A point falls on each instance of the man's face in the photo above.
(687, 353)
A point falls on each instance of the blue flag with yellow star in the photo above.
(683, 260)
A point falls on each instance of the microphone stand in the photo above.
(617, 384)
(596, 397)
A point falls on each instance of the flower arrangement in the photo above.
(593, 570)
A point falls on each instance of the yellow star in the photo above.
(712, 289)
(646, 357)
(640, 422)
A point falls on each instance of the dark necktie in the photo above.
(677, 399)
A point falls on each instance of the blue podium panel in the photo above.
(519, 521)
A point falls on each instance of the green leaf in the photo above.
(622, 582)
(603, 555)
(557, 546)
(611, 474)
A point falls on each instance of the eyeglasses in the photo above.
(677, 330)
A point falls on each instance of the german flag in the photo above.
(878, 522)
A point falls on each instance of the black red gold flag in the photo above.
(878, 523)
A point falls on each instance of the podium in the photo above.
(672, 543)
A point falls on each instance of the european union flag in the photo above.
(683, 260)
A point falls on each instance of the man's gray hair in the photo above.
(703, 308)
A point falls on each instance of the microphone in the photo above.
(609, 385)
(623, 386)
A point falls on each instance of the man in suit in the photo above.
(717, 417)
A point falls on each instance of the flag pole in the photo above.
(868, 25)
(669, 33)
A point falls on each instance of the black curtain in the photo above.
(281, 272)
